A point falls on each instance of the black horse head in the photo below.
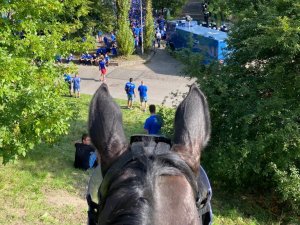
(157, 187)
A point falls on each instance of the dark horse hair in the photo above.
(135, 193)
(130, 198)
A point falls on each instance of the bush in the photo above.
(254, 104)
(168, 115)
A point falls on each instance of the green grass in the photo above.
(44, 188)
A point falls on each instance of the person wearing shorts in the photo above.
(102, 69)
(76, 85)
(129, 88)
(143, 96)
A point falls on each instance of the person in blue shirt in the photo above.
(143, 95)
(129, 88)
(70, 58)
(58, 58)
(114, 49)
(100, 33)
(88, 59)
(82, 58)
(106, 58)
(153, 123)
(113, 36)
(68, 80)
(106, 41)
(76, 85)
(102, 69)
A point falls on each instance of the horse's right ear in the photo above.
(105, 127)
(192, 127)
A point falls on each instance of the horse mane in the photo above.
(133, 187)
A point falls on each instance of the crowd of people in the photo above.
(85, 157)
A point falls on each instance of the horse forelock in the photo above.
(131, 196)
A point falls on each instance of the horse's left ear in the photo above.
(192, 127)
(105, 127)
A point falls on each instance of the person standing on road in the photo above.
(143, 95)
(129, 88)
(154, 123)
(102, 69)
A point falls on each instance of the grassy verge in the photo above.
(44, 188)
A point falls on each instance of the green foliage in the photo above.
(102, 16)
(149, 26)
(254, 101)
(32, 109)
(175, 6)
(124, 34)
(168, 115)
(289, 187)
(220, 10)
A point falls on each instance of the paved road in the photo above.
(161, 75)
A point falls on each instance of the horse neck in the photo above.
(174, 202)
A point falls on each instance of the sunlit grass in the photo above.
(44, 188)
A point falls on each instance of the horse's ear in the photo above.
(105, 127)
(192, 127)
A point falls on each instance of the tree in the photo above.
(219, 10)
(173, 5)
(32, 109)
(124, 34)
(254, 101)
(149, 26)
(102, 16)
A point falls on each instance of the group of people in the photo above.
(93, 59)
(109, 43)
(86, 156)
(160, 30)
(131, 95)
(154, 123)
(135, 21)
(73, 82)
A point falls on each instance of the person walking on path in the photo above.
(158, 38)
(130, 91)
(153, 123)
(76, 85)
(102, 69)
(143, 95)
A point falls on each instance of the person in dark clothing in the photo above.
(83, 153)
